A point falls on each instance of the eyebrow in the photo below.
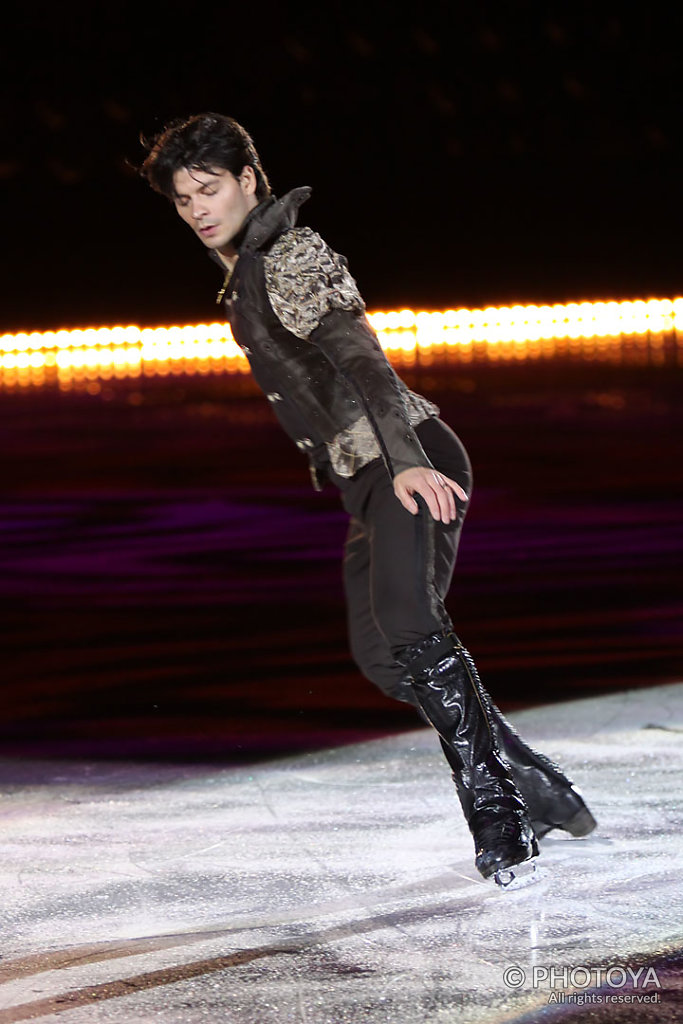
(186, 195)
(202, 184)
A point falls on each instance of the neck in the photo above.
(228, 257)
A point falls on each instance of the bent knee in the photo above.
(387, 677)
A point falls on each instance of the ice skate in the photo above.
(448, 690)
(503, 839)
(552, 799)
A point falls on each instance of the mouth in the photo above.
(207, 230)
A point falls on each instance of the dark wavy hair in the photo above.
(203, 142)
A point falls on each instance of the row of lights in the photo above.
(517, 332)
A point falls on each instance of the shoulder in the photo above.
(305, 279)
(304, 247)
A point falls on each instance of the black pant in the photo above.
(398, 566)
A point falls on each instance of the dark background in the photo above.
(170, 583)
(460, 154)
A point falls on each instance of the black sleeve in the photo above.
(315, 297)
(351, 345)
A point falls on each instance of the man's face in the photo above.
(216, 204)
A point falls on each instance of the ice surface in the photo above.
(339, 886)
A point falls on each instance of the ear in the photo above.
(247, 180)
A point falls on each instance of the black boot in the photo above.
(552, 799)
(448, 690)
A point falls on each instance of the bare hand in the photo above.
(436, 489)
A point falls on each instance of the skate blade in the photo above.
(517, 876)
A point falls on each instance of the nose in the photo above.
(199, 208)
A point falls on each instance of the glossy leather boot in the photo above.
(449, 693)
(552, 799)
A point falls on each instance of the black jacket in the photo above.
(297, 315)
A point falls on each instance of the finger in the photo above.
(451, 501)
(445, 498)
(406, 500)
(447, 503)
(433, 496)
(454, 486)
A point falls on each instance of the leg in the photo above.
(448, 688)
(552, 799)
(369, 646)
(368, 598)
(398, 569)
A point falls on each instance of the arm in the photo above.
(315, 297)
(350, 344)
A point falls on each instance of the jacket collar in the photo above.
(268, 220)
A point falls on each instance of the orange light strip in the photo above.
(516, 332)
(497, 324)
(118, 347)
